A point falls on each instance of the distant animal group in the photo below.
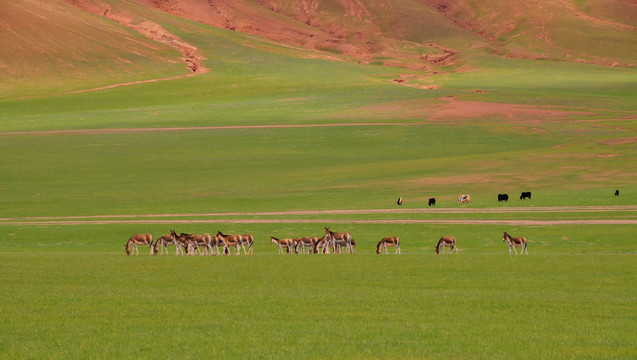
(204, 244)
(337, 242)
(512, 242)
(191, 244)
(465, 199)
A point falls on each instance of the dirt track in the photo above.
(193, 128)
(253, 217)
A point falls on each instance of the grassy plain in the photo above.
(68, 290)
(74, 294)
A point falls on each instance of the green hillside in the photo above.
(51, 46)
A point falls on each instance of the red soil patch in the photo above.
(453, 108)
(620, 141)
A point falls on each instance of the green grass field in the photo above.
(70, 200)
(75, 295)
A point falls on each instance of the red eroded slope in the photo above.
(407, 33)
(402, 31)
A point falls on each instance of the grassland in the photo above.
(74, 295)
(359, 141)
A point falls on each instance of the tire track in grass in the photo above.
(197, 128)
(284, 217)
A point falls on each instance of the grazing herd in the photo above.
(465, 199)
(204, 244)
(191, 244)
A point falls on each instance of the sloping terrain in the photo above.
(67, 43)
(598, 32)
(402, 33)
(420, 33)
(52, 44)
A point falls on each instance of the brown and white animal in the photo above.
(235, 241)
(338, 241)
(188, 243)
(288, 244)
(218, 242)
(305, 242)
(322, 245)
(464, 199)
(205, 241)
(388, 241)
(446, 241)
(139, 239)
(514, 242)
(248, 240)
(164, 241)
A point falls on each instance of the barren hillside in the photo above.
(420, 33)
(61, 42)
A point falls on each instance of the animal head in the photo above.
(128, 247)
